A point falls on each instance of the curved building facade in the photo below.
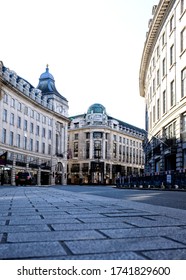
(33, 128)
(102, 148)
(162, 82)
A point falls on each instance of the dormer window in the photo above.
(76, 125)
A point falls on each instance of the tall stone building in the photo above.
(163, 85)
(102, 148)
(33, 128)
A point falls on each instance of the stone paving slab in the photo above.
(128, 244)
(54, 235)
(176, 254)
(30, 249)
(145, 232)
(24, 228)
(86, 226)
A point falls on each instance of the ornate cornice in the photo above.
(155, 26)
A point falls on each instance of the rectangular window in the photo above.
(154, 115)
(49, 134)
(38, 117)
(5, 115)
(183, 82)
(171, 23)
(76, 136)
(43, 148)
(158, 77)
(43, 132)
(154, 85)
(25, 125)
(49, 149)
(5, 98)
(164, 102)
(172, 94)
(26, 110)
(32, 113)
(37, 130)
(114, 150)
(12, 119)
(31, 144)
(19, 122)
(25, 143)
(87, 149)
(44, 119)
(97, 149)
(184, 123)
(19, 106)
(49, 121)
(75, 149)
(18, 140)
(163, 67)
(4, 136)
(31, 127)
(182, 6)
(171, 55)
(11, 138)
(158, 109)
(37, 146)
(163, 39)
(87, 135)
(183, 40)
(13, 102)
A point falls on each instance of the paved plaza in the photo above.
(50, 223)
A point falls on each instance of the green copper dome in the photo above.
(96, 108)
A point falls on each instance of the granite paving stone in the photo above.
(102, 220)
(128, 244)
(27, 221)
(85, 226)
(54, 235)
(24, 228)
(150, 221)
(176, 254)
(141, 232)
(30, 249)
(179, 236)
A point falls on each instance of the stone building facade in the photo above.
(33, 128)
(163, 85)
(102, 148)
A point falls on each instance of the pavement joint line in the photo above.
(102, 233)
(7, 222)
(4, 237)
(175, 240)
(66, 248)
(50, 227)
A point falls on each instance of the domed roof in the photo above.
(96, 108)
(47, 84)
(46, 75)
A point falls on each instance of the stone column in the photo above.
(91, 145)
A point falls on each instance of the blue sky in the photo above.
(93, 48)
